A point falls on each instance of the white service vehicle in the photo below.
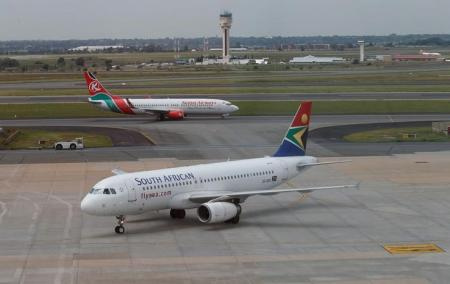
(77, 143)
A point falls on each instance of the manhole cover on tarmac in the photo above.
(412, 248)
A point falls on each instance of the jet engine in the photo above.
(175, 114)
(215, 212)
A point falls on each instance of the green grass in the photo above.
(28, 138)
(74, 110)
(22, 111)
(236, 89)
(343, 107)
(423, 134)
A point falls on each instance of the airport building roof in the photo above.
(416, 57)
(315, 59)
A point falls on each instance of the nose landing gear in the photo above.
(120, 229)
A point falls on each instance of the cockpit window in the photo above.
(95, 190)
(228, 104)
(106, 191)
(113, 191)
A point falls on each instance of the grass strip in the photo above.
(398, 134)
(74, 110)
(344, 107)
(231, 89)
(52, 110)
(29, 138)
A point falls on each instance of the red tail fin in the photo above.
(94, 86)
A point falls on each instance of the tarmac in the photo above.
(335, 236)
(215, 138)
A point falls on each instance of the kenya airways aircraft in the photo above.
(216, 190)
(164, 108)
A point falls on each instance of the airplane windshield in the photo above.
(95, 190)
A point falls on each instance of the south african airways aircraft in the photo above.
(215, 189)
(174, 109)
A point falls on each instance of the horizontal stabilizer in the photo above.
(322, 163)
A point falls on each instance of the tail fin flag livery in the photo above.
(94, 86)
(294, 142)
(100, 96)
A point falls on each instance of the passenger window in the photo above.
(106, 191)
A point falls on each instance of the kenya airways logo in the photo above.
(93, 87)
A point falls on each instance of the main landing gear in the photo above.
(120, 229)
(177, 213)
(235, 219)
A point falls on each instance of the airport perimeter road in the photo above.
(212, 138)
(244, 97)
(324, 237)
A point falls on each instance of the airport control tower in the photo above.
(361, 50)
(225, 25)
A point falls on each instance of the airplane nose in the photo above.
(87, 206)
(235, 108)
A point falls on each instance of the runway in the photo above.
(320, 238)
(244, 97)
(214, 138)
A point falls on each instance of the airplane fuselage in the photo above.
(154, 106)
(135, 193)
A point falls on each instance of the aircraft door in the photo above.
(284, 171)
(131, 192)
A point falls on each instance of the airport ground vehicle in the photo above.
(77, 143)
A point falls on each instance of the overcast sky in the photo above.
(82, 19)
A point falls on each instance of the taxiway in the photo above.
(324, 237)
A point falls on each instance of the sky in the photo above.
(82, 19)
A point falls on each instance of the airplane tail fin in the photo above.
(94, 86)
(294, 142)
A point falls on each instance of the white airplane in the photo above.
(215, 189)
(174, 109)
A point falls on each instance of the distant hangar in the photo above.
(315, 59)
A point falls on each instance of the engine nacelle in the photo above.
(215, 212)
(175, 114)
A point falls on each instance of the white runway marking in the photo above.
(68, 224)
(4, 210)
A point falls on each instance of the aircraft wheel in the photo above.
(177, 213)
(181, 214)
(119, 229)
(161, 117)
(235, 220)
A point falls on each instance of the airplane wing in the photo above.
(222, 196)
